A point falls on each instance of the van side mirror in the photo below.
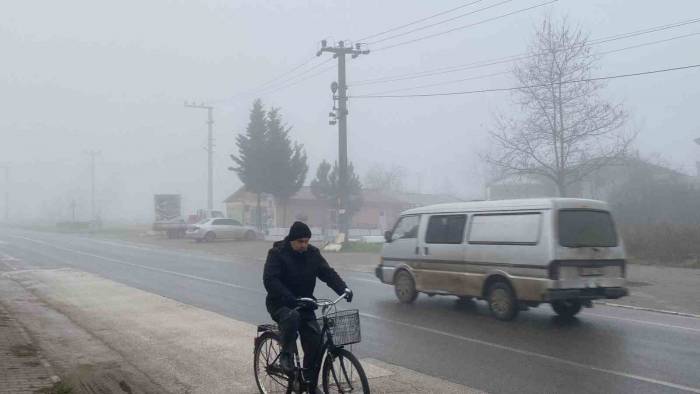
(387, 236)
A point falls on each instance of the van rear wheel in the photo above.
(502, 301)
(567, 308)
(405, 287)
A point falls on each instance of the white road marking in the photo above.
(535, 354)
(644, 322)
(145, 267)
(413, 326)
(374, 282)
(640, 308)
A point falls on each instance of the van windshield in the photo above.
(586, 228)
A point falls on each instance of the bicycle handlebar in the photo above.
(324, 304)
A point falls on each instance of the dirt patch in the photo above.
(108, 379)
(57, 388)
(24, 350)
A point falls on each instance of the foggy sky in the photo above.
(112, 76)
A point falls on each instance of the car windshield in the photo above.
(586, 228)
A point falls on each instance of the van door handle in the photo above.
(426, 251)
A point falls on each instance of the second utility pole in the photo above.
(93, 210)
(7, 191)
(339, 51)
(210, 151)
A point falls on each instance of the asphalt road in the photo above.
(604, 350)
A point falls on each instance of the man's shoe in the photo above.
(287, 362)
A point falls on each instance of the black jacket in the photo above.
(290, 275)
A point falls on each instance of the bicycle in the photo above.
(341, 371)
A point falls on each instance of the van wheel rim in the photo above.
(500, 302)
(403, 287)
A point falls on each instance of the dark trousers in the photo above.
(290, 323)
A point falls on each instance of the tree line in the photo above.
(269, 162)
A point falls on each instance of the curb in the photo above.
(640, 308)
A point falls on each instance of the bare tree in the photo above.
(387, 179)
(567, 131)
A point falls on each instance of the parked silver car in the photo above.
(220, 228)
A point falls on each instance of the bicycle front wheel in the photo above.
(343, 373)
(268, 375)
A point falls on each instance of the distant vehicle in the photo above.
(203, 214)
(513, 253)
(168, 215)
(221, 228)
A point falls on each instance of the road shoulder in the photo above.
(101, 332)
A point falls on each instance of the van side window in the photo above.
(407, 227)
(446, 229)
(505, 229)
(218, 222)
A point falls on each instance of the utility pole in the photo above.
(697, 163)
(73, 205)
(209, 149)
(7, 192)
(340, 51)
(93, 211)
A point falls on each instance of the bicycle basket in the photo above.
(344, 326)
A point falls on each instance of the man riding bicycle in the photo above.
(290, 273)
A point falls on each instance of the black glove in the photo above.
(348, 294)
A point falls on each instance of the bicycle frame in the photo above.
(326, 346)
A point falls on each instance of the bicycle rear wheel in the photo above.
(343, 373)
(268, 375)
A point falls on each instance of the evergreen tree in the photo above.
(326, 187)
(251, 162)
(286, 161)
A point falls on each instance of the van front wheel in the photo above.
(502, 301)
(405, 287)
(566, 308)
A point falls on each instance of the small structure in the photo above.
(378, 212)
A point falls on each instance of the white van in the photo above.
(513, 253)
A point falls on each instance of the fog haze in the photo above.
(112, 77)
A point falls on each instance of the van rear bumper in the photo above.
(592, 293)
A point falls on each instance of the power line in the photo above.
(418, 21)
(292, 70)
(430, 85)
(645, 31)
(505, 72)
(532, 86)
(320, 72)
(465, 26)
(650, 43)
(438, 23)
(445, 70)
(305, 72)
(507, 59)
(281, 84)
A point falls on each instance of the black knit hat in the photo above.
(299, 230)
